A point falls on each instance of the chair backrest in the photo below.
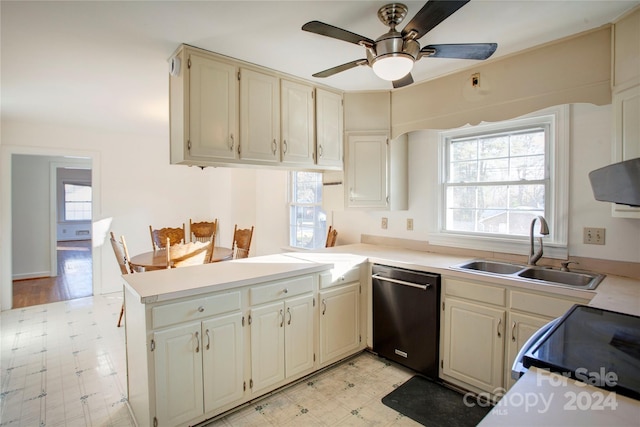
(241, 242)
(332, 234)
(192, 253)
(159, 236)
(122, 254)
(202, 231)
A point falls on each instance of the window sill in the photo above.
(518, 247)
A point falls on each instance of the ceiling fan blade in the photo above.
(405, 81)
(431, 14)
(340, 68)
(335, 32)
(460, 51)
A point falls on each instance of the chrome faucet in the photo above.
(544, 230)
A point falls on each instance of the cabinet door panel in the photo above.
(298, 335)
(339, 322)
(521, 328)
(298, 123)
(329, 128)
(474, 344)
(222, 360)
(213, 118)
(178, 373)
(259, 117)
(367, 172)
(267, 345)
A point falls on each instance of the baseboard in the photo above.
(29, 276)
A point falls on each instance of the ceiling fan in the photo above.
(393, 54)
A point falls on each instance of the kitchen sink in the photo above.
(492, 267)
(545, 275)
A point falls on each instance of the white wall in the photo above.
(591, 139)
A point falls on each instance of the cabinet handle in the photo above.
(351, 194)
(320, 150)
(201, 309)
(197, 343)
(281, 318)
(289, 311)
(499, 327)
(285, 290)
(208, 339)
(232, 143)
(274, 145)
(324, 306)
(284, 146)
(513, 330)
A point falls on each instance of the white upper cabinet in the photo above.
(367, 171)
(626, 117)
(298, 123)
(259, 117)
(329, 129)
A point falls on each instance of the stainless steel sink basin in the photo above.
(574, 279)
(568, 278)
(492, 267)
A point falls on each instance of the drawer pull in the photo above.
(286, 291)
(201, 309)
(197, 343)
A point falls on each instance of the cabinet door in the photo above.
(521, 328)
(474, 344)
(267, 345)
(298, 123)
(339, 322)
(298, 335)
(222, 360)
(259, 117)
(329, 128)
(213, 117)
(626, 110)
(367, 174)
(178, 374)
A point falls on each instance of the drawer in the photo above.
(541, 305)
(281, 289)
(475, 292)
(194, 309)
(335, 277)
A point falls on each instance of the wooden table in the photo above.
(157, 260)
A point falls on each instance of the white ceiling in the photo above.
(104, 64)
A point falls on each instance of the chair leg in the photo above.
(121, 313)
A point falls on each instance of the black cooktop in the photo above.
(596, 346)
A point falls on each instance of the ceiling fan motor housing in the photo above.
(392, 44)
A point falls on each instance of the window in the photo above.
(77, 202)
(496, 178)
(307, 220)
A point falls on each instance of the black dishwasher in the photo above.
(406, 317)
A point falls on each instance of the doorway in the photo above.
(51, 226)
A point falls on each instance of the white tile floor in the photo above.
(63, 364)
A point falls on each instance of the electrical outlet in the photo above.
(410, 224)
(593, 236)
(384, 223)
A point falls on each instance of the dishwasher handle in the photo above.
(400, 282)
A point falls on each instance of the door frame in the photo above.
(6, 235)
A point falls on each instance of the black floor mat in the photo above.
(434, 405)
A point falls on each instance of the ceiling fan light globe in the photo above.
(393, 67)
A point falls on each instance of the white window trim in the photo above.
(290, 202)
(558, 211)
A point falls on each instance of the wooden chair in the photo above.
(159, 237)
(332, 234)
(202, 231)
(122, 256)
(241, 242)
(192, 253)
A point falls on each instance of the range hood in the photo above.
(617, 183)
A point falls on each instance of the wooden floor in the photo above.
(74, 278)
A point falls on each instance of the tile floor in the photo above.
(63, 364)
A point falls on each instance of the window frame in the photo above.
(64, 200)
(321, 239)
(556, 191)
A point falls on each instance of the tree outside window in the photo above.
(307, 220)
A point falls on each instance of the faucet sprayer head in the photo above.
(544, 227)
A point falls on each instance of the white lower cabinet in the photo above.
(339, 322)
(198, 368)
(473, 343)
(484, 326)
(281, 341)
